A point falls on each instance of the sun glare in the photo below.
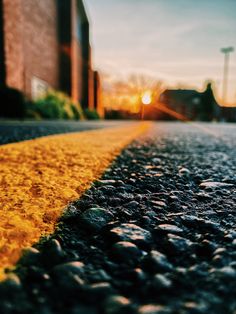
(146, 98)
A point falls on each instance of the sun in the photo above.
(146, 98)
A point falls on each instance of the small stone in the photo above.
(126, 252)
(12, 283)
(100, 276)
(155, 262)
(195, 308)
(215, 185)
(117, 304)
(184, 172)
(54, 250)
(211, 226)
(71, 212)
(30, 256)
(191, 221)
(68, 276)
(131, 233)
(153, 309)
(161, 282)
(158, 204)
(208, 247)
(217, 260)
(108, 190)
(100, 290)
(220, 250)
(167, 228)
(198, 271)
(74, 268)
(227, 271)
(203, 196)
(138, 275)
(96, 218)
(108, 182)
(179, 244)
(173, 198)
(132, 205)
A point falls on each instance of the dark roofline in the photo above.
(181, 90)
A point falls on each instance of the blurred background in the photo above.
(118, 59)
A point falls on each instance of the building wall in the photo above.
(13, 46)
(40, 42)
(2, 54)
(90, 84)
(31, 43)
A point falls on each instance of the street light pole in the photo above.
(226, 51)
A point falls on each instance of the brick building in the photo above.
(45, 43)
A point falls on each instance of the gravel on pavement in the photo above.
(156, 234)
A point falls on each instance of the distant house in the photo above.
(46, 44)
(191, 103)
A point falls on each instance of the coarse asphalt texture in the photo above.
(15, 131)
(155, 235)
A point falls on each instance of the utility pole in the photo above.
(226, 51)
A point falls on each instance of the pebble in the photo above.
(100, 290)
(158, 204)
(153, 309)
(131, 233)
(184, 172)
(100, 275)
(74, 268)
(54, 250)
(30, 256)
(215, 185)
(11, 283)
(156, 262)
(125, 251)
(96, 218)
(167, 228)
(117, 304)
(220, 250)
(228, 272)
(161, 282)
(179, 244)
(191, 221)
(106, 182)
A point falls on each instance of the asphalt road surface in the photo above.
(156, 235)
(15, 131)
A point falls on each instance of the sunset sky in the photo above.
(176, 41)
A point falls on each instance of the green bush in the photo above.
(55, 105)
(91, 114)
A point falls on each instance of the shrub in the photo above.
(12, 103)
(56, 105)
(91, 114)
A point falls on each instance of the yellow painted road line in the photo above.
(38, 178)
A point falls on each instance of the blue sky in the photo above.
(176, 41)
